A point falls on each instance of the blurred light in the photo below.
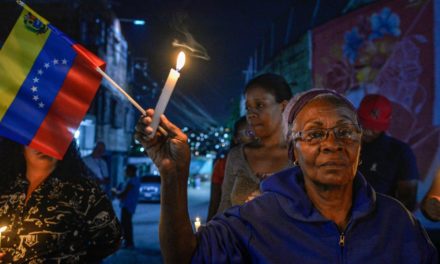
(77, 134)
(136, 22)
(139, 22)
(142, 149)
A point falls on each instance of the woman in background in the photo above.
(247, 165)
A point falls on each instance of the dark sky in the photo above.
(228, 30)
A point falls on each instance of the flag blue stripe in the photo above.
(30, 106)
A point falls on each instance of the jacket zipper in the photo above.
(342, 239)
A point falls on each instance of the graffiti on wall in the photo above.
(385, 48)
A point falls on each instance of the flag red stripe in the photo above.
(66, 113)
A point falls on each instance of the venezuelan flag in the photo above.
(47, 83)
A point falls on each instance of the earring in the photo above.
(295, 163)
(360, 163)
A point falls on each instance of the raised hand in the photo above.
(170, 152)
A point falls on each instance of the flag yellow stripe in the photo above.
(17, 56)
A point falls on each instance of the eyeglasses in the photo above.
(346, 133)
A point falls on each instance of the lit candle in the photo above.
(197, 224)
(2, 229)
(167, 91)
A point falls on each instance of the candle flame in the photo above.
(180, 61)
(2, 229)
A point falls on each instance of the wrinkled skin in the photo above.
(330, 166)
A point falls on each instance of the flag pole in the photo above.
(108, 78)
(42, 19)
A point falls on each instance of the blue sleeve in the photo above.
(224, 239)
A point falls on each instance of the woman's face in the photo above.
(332, 161)
(263, 112)
(37, 159)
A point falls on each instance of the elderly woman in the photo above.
(320, 211)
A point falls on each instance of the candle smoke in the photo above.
(190, 44)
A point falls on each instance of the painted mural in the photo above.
(386, 48)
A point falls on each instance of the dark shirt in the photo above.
(64, 221)
(385, 162)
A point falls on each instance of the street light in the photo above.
(136, 22)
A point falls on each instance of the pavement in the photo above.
(145, 225)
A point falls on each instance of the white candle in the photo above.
(2, 229)
(167, 90)
(197, 224)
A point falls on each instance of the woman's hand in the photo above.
(169, 153)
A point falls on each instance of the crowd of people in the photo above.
(309, 179)
(319, 210)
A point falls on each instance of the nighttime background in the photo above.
(210, 87)
(355, 47)
(219, 37)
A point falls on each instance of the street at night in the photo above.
(146, 226)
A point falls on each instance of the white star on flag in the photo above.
(35, 96)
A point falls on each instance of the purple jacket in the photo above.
(282, 226)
